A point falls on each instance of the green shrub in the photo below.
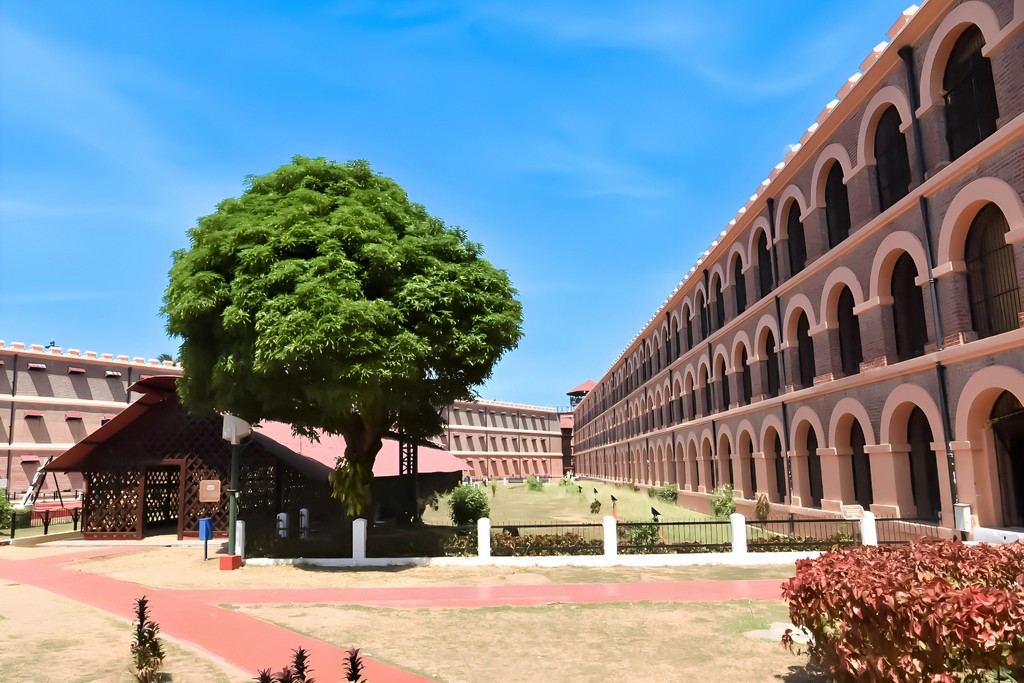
(595, 507)
(147, 650)
(461, 544)
(534, 484)
(494, 487)
(642, 538)
(467, 504)
(723, 502)
(505, 544)
(668, 493)
(6, 511)
(763, 509)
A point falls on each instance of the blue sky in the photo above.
(594, 148)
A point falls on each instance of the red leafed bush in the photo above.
(940, 612)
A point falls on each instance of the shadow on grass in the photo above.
(804, 674)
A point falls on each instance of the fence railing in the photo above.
(903, 530)
(535, 539)
(34, 519)
(673, 537)
(802, 534)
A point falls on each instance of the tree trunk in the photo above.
(351, 480)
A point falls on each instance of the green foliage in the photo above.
(723, 502)
(296, 672)
(461, 544)
(467, 504)
(595, 507)
(942, 610)
(6, 510)
(494, 487)
(668, 493)
(505, 545)
(763, 508)
(533, 483)
(325, 299)
(785, 543)
(640, 538)
(147, 650)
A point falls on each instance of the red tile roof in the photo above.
(583, 388)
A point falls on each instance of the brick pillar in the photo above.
(801, 478)
(704, 471)
(983, 507)
(735, 380)
(957, 325)
(791, 382)
(827, 363)
(945, 492)
(877, 335)
(741, 475)
(890, 480)
(836, 477)
(759, 380)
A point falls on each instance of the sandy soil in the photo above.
(183, 568)
(562, 642)
(48, 639)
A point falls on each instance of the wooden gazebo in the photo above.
(143, 469)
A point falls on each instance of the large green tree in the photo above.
(324, 298)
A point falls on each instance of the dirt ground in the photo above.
(560, 642)
(184, 568)
(45, 638)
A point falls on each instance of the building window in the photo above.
(780, 470)
(850, 352)
(689, 330)
(795, 235)
(969, 93)
(908, 310)
(748, 390)
(739, 285)
(837, 206)
(814, 468)
(772, 361)
(924, 471)
(723, 381)
(764, 266)
(805, 350)
(861, 467)
(991, 274)
(892, 164)
(719, 321)
(705, 326)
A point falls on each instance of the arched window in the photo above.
(908, 310)
(764, 266)
(702, 310)
(805, 350)
(674, 348)
(970, 94)
(814, 468)
(892, 165)
(748, 390)
(708, 401)
(772, 361)
(780, 470)
(924, 471)
(861, 467)
(723, 382)
(991, 274)
(693, 401)
(850, 352)
(1007, 420)
(797, 245)
(739, 285)
(837, 206)
(689, 329)
(719, 320)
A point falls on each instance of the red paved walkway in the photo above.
(248, 643)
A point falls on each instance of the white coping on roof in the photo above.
(504, 404)
(107, 358)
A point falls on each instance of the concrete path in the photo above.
(249, 644)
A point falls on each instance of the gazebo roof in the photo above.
(583, 388)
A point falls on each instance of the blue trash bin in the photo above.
(206, 529)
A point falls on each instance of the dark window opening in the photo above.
(837, 206)
(850, 351)
(924, 471)
(969, 93)
(772, 361)
(739, 285)
(764, 266)
(992, 286)
(814, 468)
(861, 467)
(780, 470)
(805, 350)
(719, 320)
(908, 310)
(748, 390)
(723, 381)
(797, 245)
(892, 163)
(1008, 427)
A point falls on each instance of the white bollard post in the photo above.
(868, 529)
(359, 539)
(611, 539)
(738, 526)
(240, 539)
(483, 538)
(282, 524)
(304, 523)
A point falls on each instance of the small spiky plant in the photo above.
(353, 665)
(264, 676)
(300, 665)
(147, 650)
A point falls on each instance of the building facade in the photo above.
(505, 440)
(854, 335)
(51, 399)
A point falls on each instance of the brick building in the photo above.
(505, 440)
(854, 335)
(51, 399)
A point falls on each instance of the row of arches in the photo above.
(895, 464)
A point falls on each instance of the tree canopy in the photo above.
(324, 298)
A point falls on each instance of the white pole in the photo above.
(868, 529)
(359, 539)
(738, 527)
(483, 538)
(240, 539)
(611, 539)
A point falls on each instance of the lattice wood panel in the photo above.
(161, 495)
(112, 505)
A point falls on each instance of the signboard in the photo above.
(852, 511)
(209, 491)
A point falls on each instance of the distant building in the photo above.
(51, 399)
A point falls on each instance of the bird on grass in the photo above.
(595, 491)
(656, 514)
(614, 499)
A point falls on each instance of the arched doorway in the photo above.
(861, 467)
(1007, 420)
(780, 470)
(924, 471)
(814, 468)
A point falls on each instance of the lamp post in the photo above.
(235, 429)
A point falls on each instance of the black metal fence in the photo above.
(546, 538)
(60, 518)
(674, 537)
(904, 530)
(801, 534)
